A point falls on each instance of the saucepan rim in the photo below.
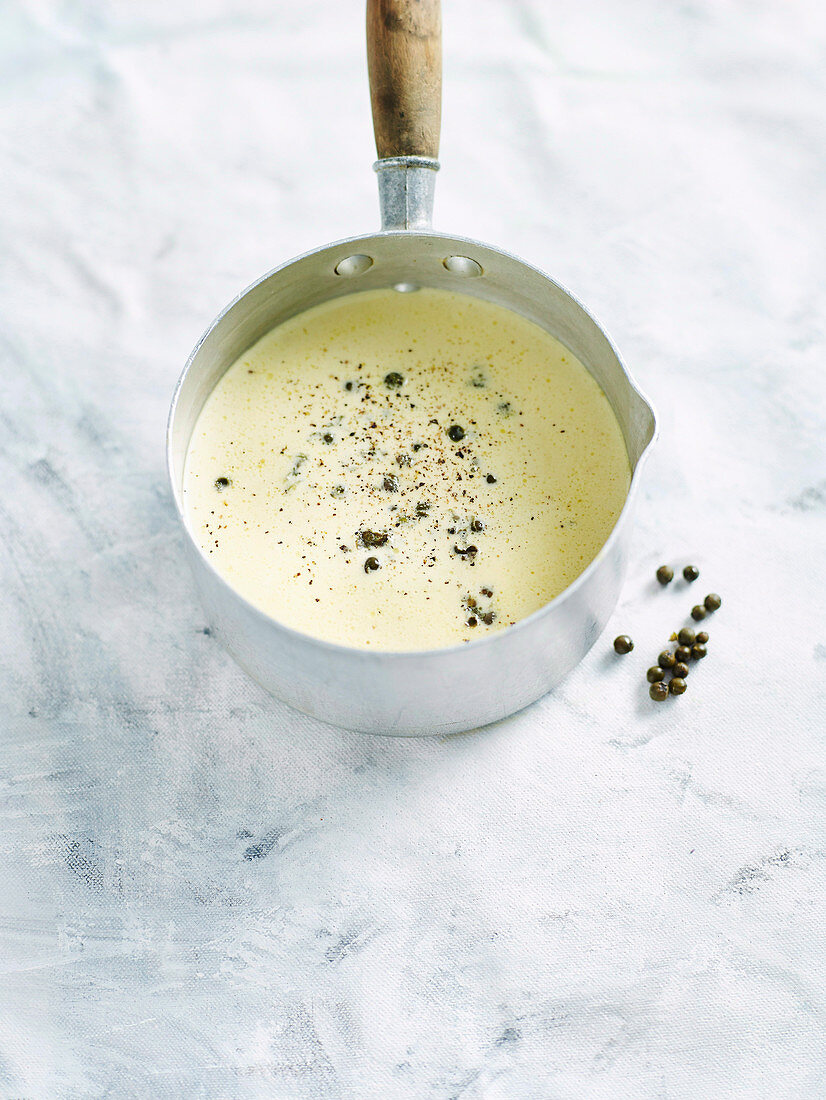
(378, 655)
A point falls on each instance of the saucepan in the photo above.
(438, 691)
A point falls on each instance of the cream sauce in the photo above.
(448, 441)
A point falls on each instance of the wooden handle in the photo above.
(404, 60)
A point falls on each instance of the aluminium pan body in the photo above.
(422, 692)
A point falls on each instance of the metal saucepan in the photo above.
(411, 693)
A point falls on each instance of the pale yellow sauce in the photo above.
(317, 447)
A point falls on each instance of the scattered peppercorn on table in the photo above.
(690, 646)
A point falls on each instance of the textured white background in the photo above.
(206, 895)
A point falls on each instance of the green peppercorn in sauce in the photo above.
(404, 471)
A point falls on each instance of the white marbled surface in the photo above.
(206, 895)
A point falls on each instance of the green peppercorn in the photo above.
(394, 380)
(680, 670)
(698, 652)
(658, 691)
(371, 565)
(372, 538)
(456, 433)
(698, 612)
(712, 601)
(666, 659)
(691, 573)
(702, 637)
(665, 574)
(677, 685)
(623, 644)
(682, 653)
(222, 483)
(655, 674)
(686, 636)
